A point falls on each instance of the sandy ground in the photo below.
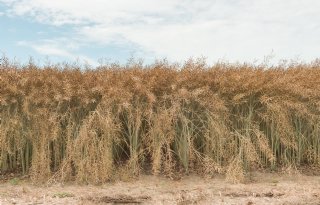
(265, 188)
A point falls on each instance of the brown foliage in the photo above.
(84, 125)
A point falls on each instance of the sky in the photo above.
(96, 31)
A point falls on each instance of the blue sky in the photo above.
(229, 30)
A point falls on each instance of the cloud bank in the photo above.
(242, 30)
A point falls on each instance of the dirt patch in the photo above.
(119, 199)
(254, 194)
(265, 188)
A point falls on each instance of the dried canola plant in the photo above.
(61, 123)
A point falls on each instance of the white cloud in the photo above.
(56, 48)
(231, 29)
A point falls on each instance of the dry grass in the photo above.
(63, 123)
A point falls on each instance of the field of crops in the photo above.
(63, 123)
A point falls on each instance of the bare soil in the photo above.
(263, 188)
